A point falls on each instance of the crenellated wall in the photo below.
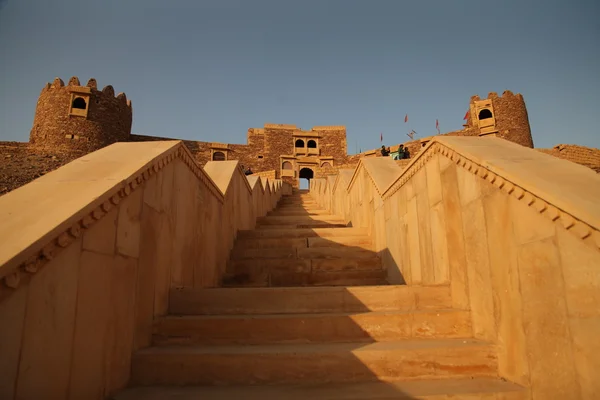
(514, 233)
(100, 243)
(105, 119)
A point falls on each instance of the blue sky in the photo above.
(209, 70)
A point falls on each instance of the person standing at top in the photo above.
(384, 152)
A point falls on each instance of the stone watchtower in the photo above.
(80, 118)
(503, 116)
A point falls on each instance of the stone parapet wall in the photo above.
(516, 236)
(82, 281)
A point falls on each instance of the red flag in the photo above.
(381, 137)
(406, 118)
(466, 115)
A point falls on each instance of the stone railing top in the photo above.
(382, 171)
(265, 184)
(253, 180)
(221, 172)
(565, 192)
(50, 212)
(343, 179)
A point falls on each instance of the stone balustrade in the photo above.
(515, 233)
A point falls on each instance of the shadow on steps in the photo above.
(309, 314)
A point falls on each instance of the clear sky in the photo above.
(211, 69)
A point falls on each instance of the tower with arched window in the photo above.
(503, 116)
(80, 117)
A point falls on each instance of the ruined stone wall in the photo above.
(585, 156)
(108, 117)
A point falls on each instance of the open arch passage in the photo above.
(311, 144)
(485, 114)
(79, 103)
(218, 156)
(306, 174)
(299, 143)
(286, 165)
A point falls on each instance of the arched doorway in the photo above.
(306, 174)
(218, 156)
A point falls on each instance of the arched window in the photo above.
(326, 165)
(286, 165)
(299, 143)
(312, 144)
(79, 102)
(218, 156)
(485, 114)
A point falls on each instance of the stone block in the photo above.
(425, 242)
(414, 242)
(147, 273)
(87, 367)
(586, 353)
(12, 315)
(128, 224)
(528, 224)
(478, 271)
(439, 244)
(469, 186)
(101, 236)
(581, 272)
(455, 238)
(48, 331)
(504, 268)
(546, 322)
(434, 183)
(121, 321)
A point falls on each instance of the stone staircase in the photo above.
(305, 312)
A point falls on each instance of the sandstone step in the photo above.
(300, 212)
(293, 300)
(363, 242)
(344, 253)
(485, 388)
(278, 232)
(312, 363)
(312, 328)
(257, 265)
(264, 277)
(268, 243)
(307, 225)
(298, 220)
